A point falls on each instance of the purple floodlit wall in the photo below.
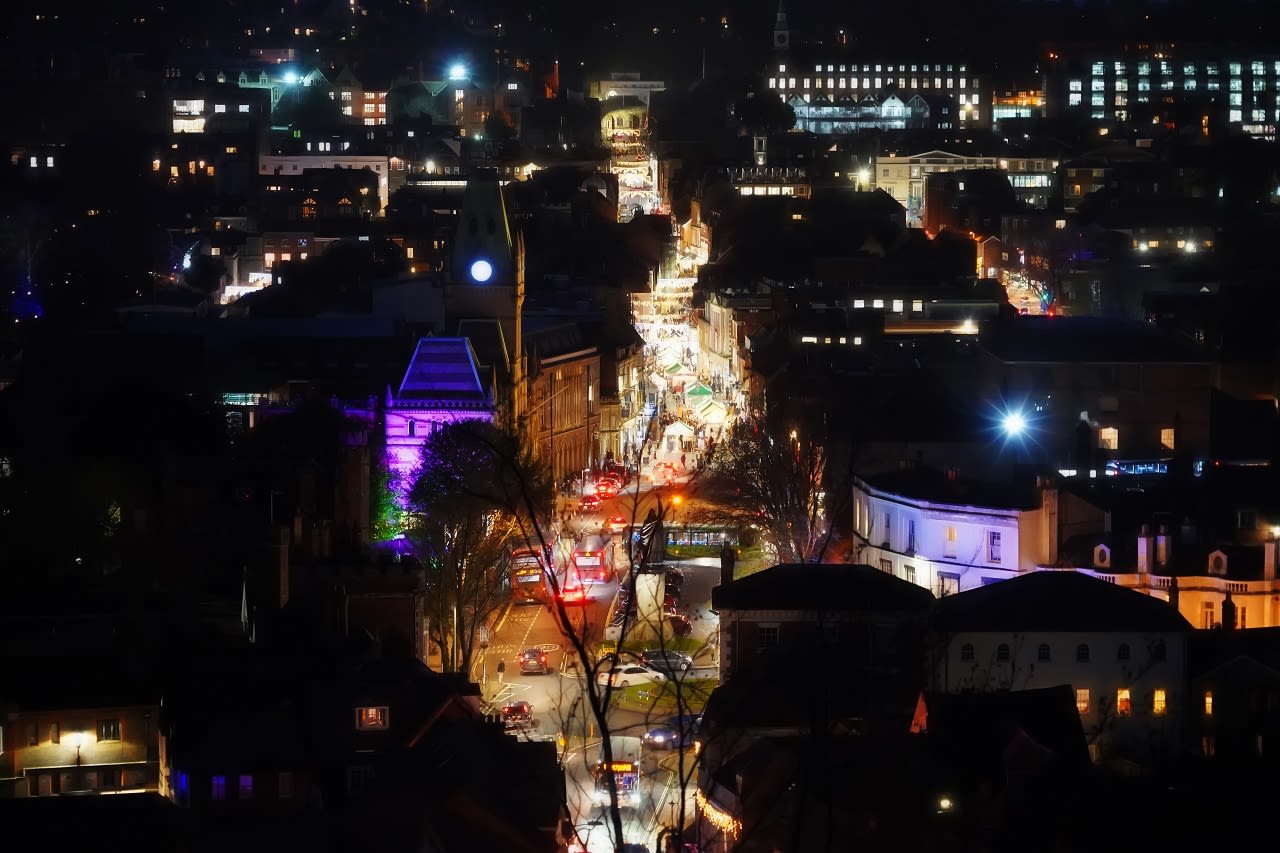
(408, 427)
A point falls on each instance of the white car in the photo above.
(629, 674)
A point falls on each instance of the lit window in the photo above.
(1124, 702)
(1159, 703)
(246, 786)
(218, 787)
(808, 339)
(857, 341)
(109, 729)
(1109, 438)
(269, 259)
(408, 252)
(1208, 703)
(219, 108)
(877, 303)
(1082, 700)
(371, 718)
(897, 306)
(244, 108)
(286, 256)
(917, 305)
(215, 251)
(1167, 436)
(155, 165)
(859, 303)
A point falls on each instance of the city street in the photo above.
(559, 712)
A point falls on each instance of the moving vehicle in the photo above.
(573, 593)
(628, 674)
(528, 575)
(517, 715)
(533, 661)
(622, 769)
(666, 660)
(675, 732)
(593, 559)
(588, 503)
(616, 524)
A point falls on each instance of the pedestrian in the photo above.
(682, 461)
(502, 670)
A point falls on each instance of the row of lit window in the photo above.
(269, 258)
(1124, 702)
(106, 730)
(875, 83)
(811, 339)
(1184, 245)
(192, 168)
(1044, 654)
(890, 69)
(1189, 69)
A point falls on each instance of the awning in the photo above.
(697, 390)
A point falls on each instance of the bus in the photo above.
(593, 559)
(528, 575)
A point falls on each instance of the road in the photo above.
(559, 705)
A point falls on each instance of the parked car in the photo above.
(517, 714)
(666, 660)
(533, 661)
(616, 523)
(607, 489)
(629, 674)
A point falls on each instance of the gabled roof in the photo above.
(825, 586)
(443, 369)
(1057, 601)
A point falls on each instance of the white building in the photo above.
(946, 535)
(1123, 655)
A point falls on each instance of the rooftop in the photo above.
(443, 369)
(932, 486)
(1057, 601)
(1084, 340)
(810, 586)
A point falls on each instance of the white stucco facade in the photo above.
(945, 548)
(1130, 686)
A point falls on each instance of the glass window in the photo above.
(1043, 654)
(1082, 700)
(1002, 653)
(993, 546)
(1123, 652)
(1109, 438)
(1167, 436)
(1208, 703)
(966, 651)
(1082, 653)
(372, 718)
(1159, 702)
(1124, 702)
(246, 786)
(109, 729)
(218, 787)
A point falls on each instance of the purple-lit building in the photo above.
(442, 385)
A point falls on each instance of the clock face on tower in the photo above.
(781, 39)
(481, 271)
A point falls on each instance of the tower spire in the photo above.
(781, 30)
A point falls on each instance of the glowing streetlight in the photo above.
(457, 71)
(290, 78)
(1014, 423)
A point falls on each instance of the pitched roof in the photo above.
(811, 586)
(1057, 601)
(1084, 340)
(443, 369)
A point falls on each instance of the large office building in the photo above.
(835, 92)
(1175, 87)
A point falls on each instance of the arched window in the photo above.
(309, 208)
(1002, 653)
(1042, 653)
(345, 207)
(413, 428)
(966, 651)
(1122, 653)
(1082, 653)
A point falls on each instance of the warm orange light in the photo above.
(677, 500)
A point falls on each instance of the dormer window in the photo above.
(372, 718)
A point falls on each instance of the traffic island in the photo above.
(664, 699)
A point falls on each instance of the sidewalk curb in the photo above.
(502, 620)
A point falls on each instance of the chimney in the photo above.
(1164, 546)
(1269, 552)
(1146, 547)
(280, 555)
(727, 560)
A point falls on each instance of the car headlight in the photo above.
(658, 738)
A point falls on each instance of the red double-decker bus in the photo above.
(528, 576)
(593, 559)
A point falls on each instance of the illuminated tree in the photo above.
(464, 511)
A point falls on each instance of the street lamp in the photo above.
(1013, 423)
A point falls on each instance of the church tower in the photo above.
(485, 280)
(781, 32)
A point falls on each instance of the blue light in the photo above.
(1014, 423)
(481, 270)
(290, 78)
(458, 72)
